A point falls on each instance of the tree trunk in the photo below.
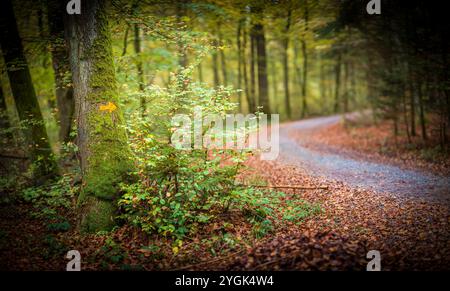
(125, 40)
(215, 67)
(298, 71)
(103, 150)
(239, 55)
(4, 120)
(287, 97)
(322, 82)
(337, 73)
(305, 64)
(222, 57)
(422, 111)
(273, 73)
(200, 72)
(345, 93)
(252, 72)
(61, 67)
(250, 99)
(24, 95)
(2, 102)
(305, 80)
(405, 117)
(412, 102)
(263, 84)
(140, 70)
(182, 46)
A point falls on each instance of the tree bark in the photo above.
(183, 61)
(337, 73)
(239, 52)
(103, 150)
(215, 67)
(263, 84)
(422, 111)
(412, 102)
(305, 64)
(252, 98)
(200, 72)
(345, 96)
(305, 80)
(298, 70)
(274, 82)
(322, 82)
(140, 70)
(4, 121)
(61, 68)
(222, 57)
(24, 95)
(287, 97)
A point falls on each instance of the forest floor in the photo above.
(369, 199)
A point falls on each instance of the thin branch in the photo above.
(288, 187)
(125, 41)
(13, 157)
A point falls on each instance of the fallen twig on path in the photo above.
(288, 187)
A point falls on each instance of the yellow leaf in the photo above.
(108, 107)
(175, 250)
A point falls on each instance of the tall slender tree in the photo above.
(4, 120)
(337, 83)
(250, 99)
(24, 95)
(223, 64)
(253, 102)
(305, 61)
(260, 43)
(139, 67)
(61, 66)
(239, 57)
(287, 102)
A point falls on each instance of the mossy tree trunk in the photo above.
(61, 67)
(25, 96)
(104, 154)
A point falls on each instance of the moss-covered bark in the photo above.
(105, 157)
(24, 95)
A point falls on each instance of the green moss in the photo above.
(109, 161)
(109, 157)
(97, 215)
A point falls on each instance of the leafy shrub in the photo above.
(50, 200)
(178, 190)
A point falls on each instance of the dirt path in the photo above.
(333, 165)
(369, 205)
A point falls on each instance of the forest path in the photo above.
(332, 164)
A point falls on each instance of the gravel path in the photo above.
(357, 173)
